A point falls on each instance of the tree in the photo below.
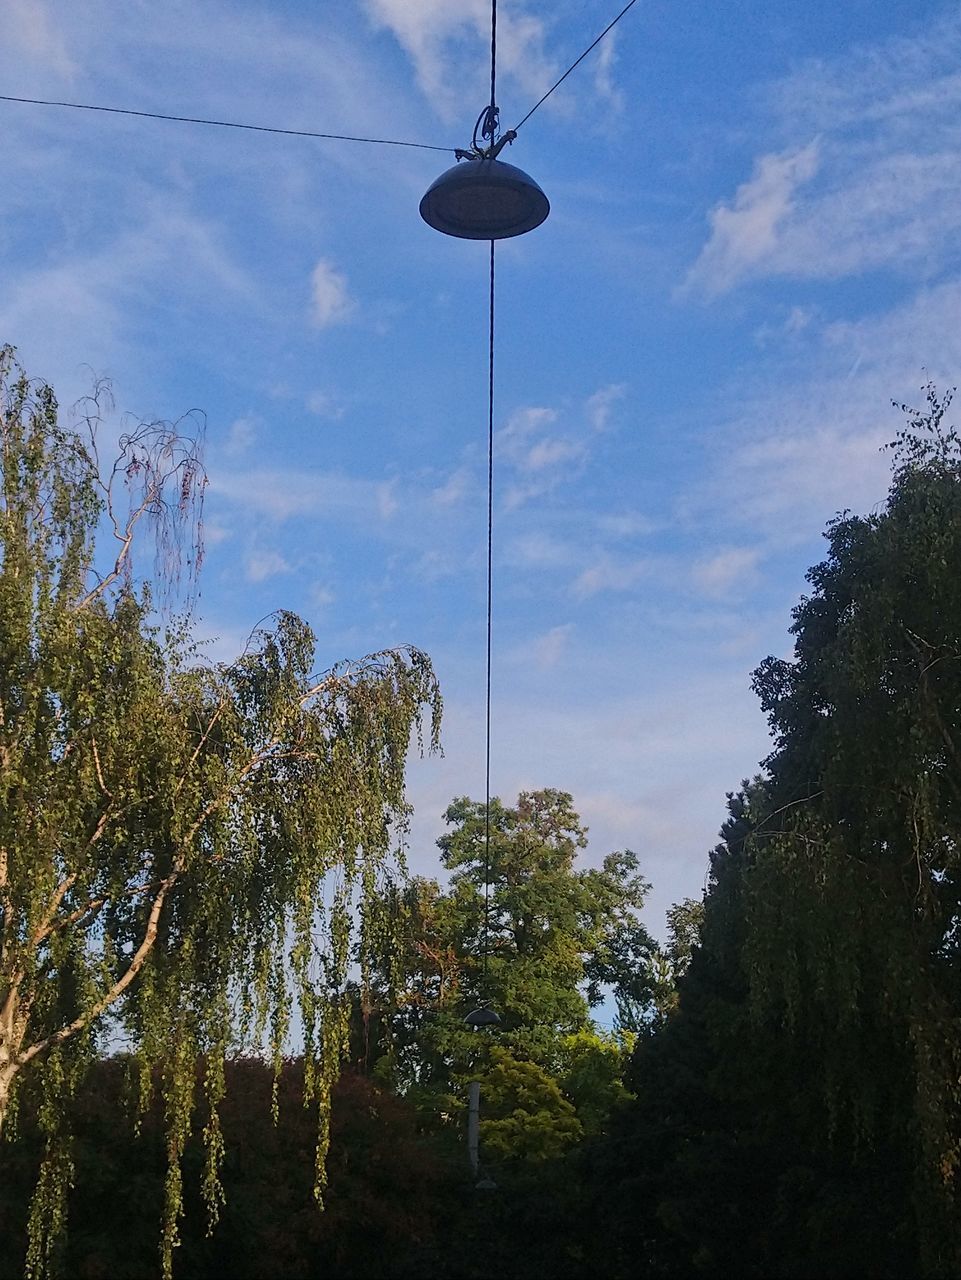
(167, 829)
(556, 938)
(799, 1112)
(857, 884)
(545, 939)
(390, 1192)
(526, 1117)
(667, 967)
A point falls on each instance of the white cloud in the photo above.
(650, 771)
(547, 650)
(894, 347)
(433, 565)
(728, 572)
(897, 209)
(538, 550)
(894, 82)
(627, 524)
(216, 533)
(453, 490)
(604, 86)
(240, 437)
(887, 157)
(806, 443)
(745, 233)
(601, 404)
(790, 326)
(524, 423)
(608, 574)
(87, 303)
(283, 493)
(540, 455)
(552, 453)
(261, 565)
(331, 302)
(324, 405)
(29, 31)
(387, 504)
(440, 37)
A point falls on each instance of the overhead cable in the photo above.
(591, 46)
(492, 123)
(222, 124)
(490, 601)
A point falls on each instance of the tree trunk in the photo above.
(13, 1026)
(6, 1086)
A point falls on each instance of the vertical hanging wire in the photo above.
(490, 594)
(493, 57)
(490, 527)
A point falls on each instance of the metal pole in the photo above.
(473, 1123)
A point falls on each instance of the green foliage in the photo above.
(855, 896)
(668, 966)
(525, 1115)
(594, 1064)
(799, 1111)
(389, 1198)
(176, 841)
(555, 936)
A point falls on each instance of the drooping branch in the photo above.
(137, 961)
(160, 466)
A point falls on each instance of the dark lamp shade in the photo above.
(484, 200)
(482, 1017)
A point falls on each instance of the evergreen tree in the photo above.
(799, 1111)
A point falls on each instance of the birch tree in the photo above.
(181, 845)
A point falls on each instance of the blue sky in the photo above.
(754, 245)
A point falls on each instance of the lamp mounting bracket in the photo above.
(485, 153)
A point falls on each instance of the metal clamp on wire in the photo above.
(486, 153)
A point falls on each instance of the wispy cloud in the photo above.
(453, 490)
(324, 405)
(387, 501)
(240, 437)
(880, 185)
(544, 447)
(895, 83)
(330, 298)
(261, 565)
(746, 233)
(601, 404)
(610, 574)
(97, 291)
(539, 550)
(30, 32)
(548, 648)
(626, 524)
(284, 493)
(729, 572)
(552, 453)
(604, 85)
(806, 442)
(437, 34)
(535, 451)
(321, 596)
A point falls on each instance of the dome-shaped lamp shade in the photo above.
(482, 1017)
(484, 200)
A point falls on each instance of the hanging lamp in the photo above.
(482, 1017)
(481, 197)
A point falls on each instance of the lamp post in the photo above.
(478, 1018)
